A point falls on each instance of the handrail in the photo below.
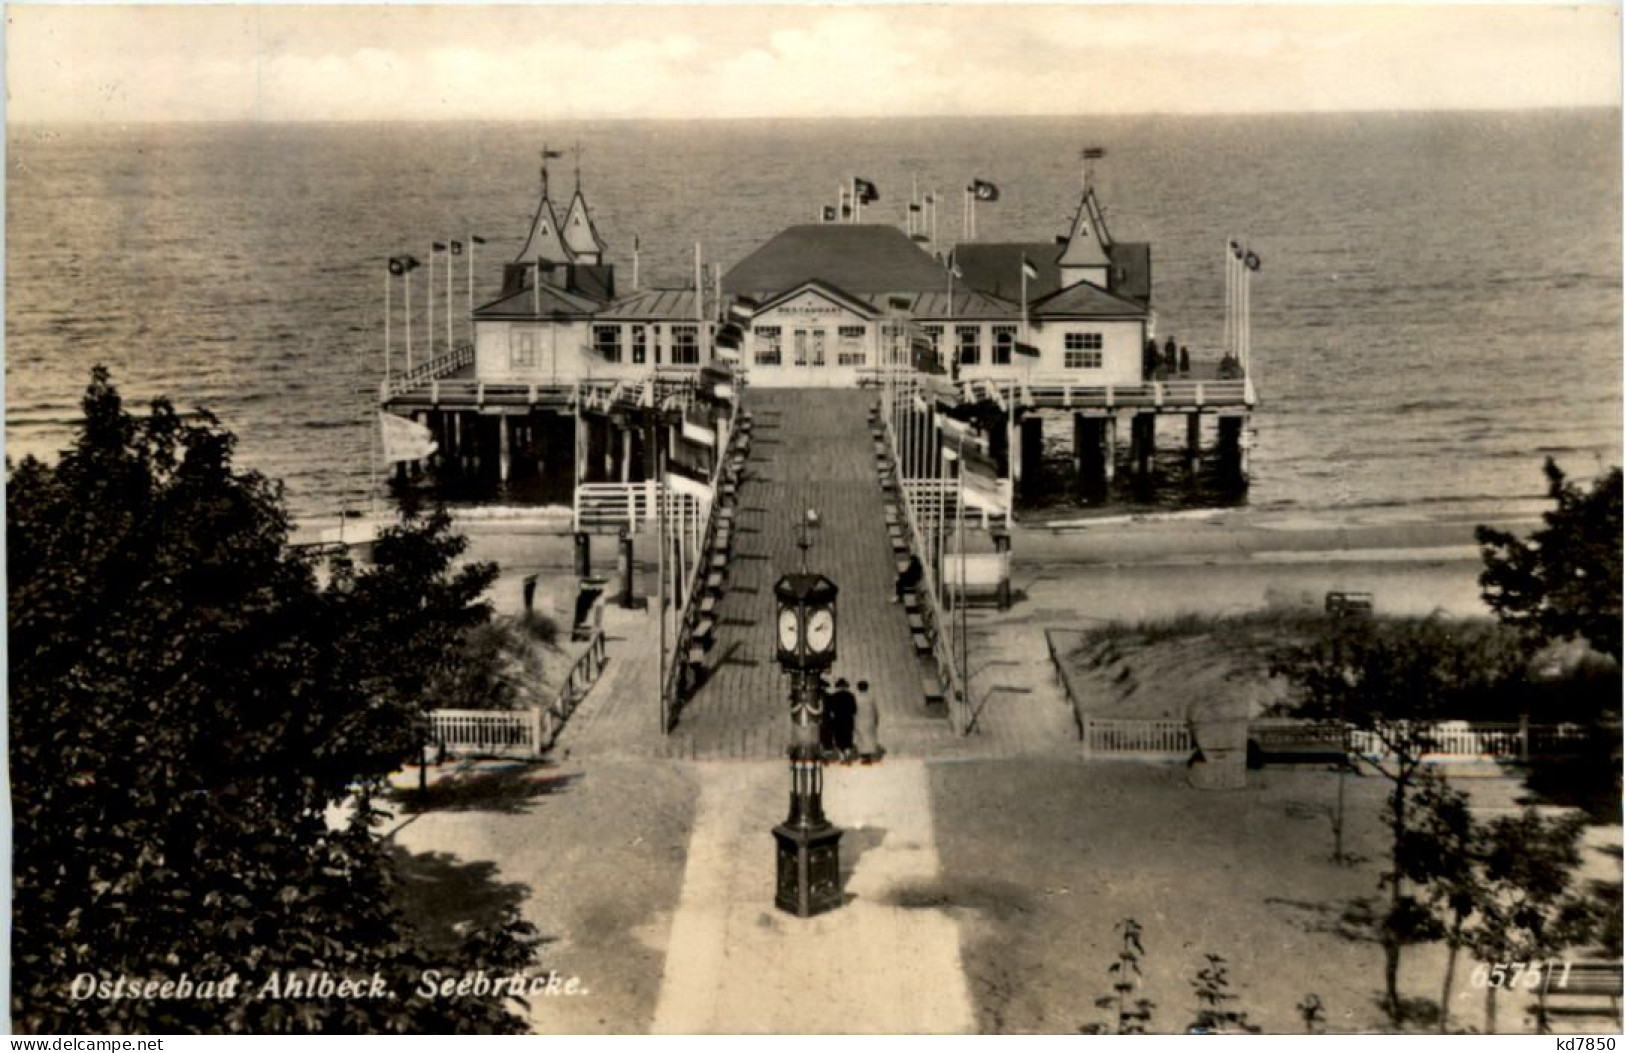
(959, 706)
(460, 355)
(584, 673)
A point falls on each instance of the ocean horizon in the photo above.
(1439, 306)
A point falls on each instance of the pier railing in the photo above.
(656, 391)
(444, 365)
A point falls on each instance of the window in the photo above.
(933, 333)
(769, 345)
(522, 347)
(606, 342)
(1084, 351)
(685, 345)
(970, 344)
(640, 344)
(850, 351)
(1004, 340)
(817, 347)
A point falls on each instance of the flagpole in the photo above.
(406, 276)
(959, 602)
(428, 294)
(660, 568)
(387, 284)
(449, 269)
(536, 292)
(471, 244)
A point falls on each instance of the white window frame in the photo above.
(768, 345)
(522, 346)
(609, 351)
(685, 345)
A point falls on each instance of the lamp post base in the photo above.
(809, 869)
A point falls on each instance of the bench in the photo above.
(696, 655)
(911, 602)
(922, 644)
(916, 622)
(705, 627)
(719, 561)
(709, 603)
(1579, 989)
(931, 686)
(713, 580)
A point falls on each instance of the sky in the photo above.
(554, 62)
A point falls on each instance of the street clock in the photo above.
(806, 621)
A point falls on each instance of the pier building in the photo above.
(570, 375)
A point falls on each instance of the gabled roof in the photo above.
(967, 304)
(1131, 270)
(555, 303)
(654, 305)
(1084, 300)
(1089, 243)
(859, 258)
(580, 235)
(544, 241)
(995, 267)
(859, 304)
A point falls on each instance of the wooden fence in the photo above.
(520, 732)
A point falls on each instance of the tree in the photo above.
(1440, 855)
(1563, 582)
(1528, 909)
(1390, 682)
(186, 706)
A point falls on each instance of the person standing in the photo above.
(1184, 359)
(841, 713)
(866, 726)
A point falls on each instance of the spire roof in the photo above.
(1089, 244)
(580, 233)
(546, 241)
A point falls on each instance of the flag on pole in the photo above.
(476, 239)
(957, 432)
(1026, 349)
(397, 266)
(865, 191)
(1094, 153)
(439, 246)
(729, 334)
(829, 213)
(456, 248)
(913, 208)
(1028, 269)
(1253, 262)
(983, 190)
(404, 439)
(551, 155)
(699, 434)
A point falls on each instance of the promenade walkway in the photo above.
(888, 961)
(812, 450)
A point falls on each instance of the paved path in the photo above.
(810, 449)
(885, 962)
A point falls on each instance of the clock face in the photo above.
(821, 630)
(789, 629)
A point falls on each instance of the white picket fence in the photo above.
(1457, 739)
(1102, 735)
(487, 733)
(521, 732)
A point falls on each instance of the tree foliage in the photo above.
(1392, 680)
(1564, 581)
(187, 708)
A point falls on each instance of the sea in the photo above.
(1438, 306)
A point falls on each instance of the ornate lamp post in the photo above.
(809, 868)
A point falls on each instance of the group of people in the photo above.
(1173, 359)
(850, 728)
